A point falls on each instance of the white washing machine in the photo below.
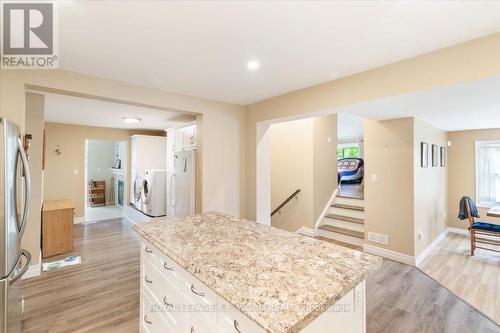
(154, 193)
(136, 199)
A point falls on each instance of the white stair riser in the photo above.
(340, 237)
(349, 201)
(347, 212)
(343, 224)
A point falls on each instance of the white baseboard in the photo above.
(458, 231)
(389, 254)
(431, 247)
(411, 260)
(79, 219)
(306, 232)
(325, 210)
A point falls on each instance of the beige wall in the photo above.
(460, 63)
(431, 188)
(292, 169)
(303, 156)
(60, 180)
(324, 162)
(223, 132)
(389, 200)
(35, 125)
(461, 171)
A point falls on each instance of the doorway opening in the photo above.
(350, 156)
(105, 179)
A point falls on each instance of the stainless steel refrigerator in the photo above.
(181, 187)
(14, 201)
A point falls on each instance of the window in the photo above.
(347, 150)
(488, 173)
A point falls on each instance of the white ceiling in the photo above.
(349, 126)
(471, 105)
(201, 48)
(83, 111)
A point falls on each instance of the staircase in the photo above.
(344, 220)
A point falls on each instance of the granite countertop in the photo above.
(279, 279)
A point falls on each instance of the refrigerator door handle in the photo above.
(27, 187)
(27, 255)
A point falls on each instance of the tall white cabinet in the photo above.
(147, 152)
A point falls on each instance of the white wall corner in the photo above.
(430, 247)
(325, 210)
(389, 254)
(306, 232)
(263, 174)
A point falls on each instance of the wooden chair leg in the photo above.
(472, 242)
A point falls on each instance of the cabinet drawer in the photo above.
(231, 320)
(150, 252)
(204, 299)
(170, 270)
(151, 321)
(199, 324)
(165, 265)
(167, 298)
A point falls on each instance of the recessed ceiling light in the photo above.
(131, 119)
(253, 65)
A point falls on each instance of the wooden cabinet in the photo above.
(96, 195)
(57, 227)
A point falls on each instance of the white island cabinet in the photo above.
(213, 273)
(173, 300)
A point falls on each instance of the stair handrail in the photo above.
(283, 204)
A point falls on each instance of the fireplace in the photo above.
(121, 192)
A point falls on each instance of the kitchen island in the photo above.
(217, 273)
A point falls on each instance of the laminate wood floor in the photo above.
(102, 294)
(475, 279)
(99, 295)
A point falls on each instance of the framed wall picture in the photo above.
(435, 155)
(424, 155)
(442, 153)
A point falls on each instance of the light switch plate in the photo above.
(374, 178)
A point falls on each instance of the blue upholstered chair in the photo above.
(480, 229)
(350, 169)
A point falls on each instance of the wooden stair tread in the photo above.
(345, 218)
(352, 233)
(348, 196)
(350, 207)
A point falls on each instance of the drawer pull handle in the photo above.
(237, 327)
(165, 301)
(146, 320)
(147, 280)
(167, 268)
(148, 250)
(197, 292)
